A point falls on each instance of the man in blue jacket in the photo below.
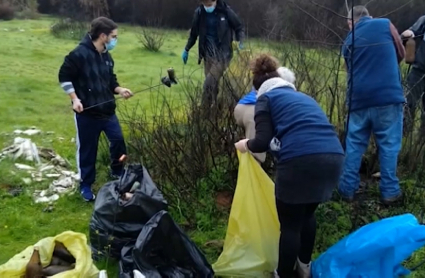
(416, 77)
(87, 77)
(214, 22)
(375, 101)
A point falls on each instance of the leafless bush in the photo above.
(190, 157)
(152, 39)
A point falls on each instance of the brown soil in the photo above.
(224, 199)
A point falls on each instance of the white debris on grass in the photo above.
(32, 131)
(48, 166)
(21, 148)
(23, 166)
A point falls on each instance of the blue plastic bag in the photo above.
(373, 251)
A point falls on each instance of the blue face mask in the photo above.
(209, 9)
(111, 44)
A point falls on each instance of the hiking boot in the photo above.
(87, 194)
(347, 199)
(392, 200)
(303, 270)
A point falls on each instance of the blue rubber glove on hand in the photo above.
(240, 45)
(185, 56)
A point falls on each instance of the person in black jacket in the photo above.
(87, 77)
(416, 77)
(214, 23)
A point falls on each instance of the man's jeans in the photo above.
(386, 123)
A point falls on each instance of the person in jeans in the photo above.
(375, 101)
(416, 77)
(309, 157)
(245, 110)
(87, 77)
(214, 22)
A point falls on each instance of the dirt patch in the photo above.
(5, 187)
(223, 199)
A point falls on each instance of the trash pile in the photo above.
(65, 255)
(130, 223)
(61, 261)
(45, 165)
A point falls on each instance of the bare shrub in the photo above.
(190, 157)
(6, 11)
(152, 37)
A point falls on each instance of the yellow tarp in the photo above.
(76, 243)
(252, 240)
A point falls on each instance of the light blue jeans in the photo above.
(386, 123)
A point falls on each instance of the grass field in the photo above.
(31, 96)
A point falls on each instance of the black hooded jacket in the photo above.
(228, 23)
(419, 30)
(90, 74)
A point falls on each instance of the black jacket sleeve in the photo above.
(69, 71)
(236, 24)
(263, 127)
(194, 31)
(419, 27)
(113, 82)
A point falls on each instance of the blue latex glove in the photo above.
(185, 56)
(240, 45)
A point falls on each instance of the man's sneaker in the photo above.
(87, 194)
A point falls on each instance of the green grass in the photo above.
(31, 96)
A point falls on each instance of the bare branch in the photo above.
(321, 23)
(399, 8)
(327, 9)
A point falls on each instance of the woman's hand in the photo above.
(242, 145)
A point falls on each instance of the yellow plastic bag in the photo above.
(76, 243)
(252, 240)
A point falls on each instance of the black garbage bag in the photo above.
(116, 222)
(126, 264)
(163, 250)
